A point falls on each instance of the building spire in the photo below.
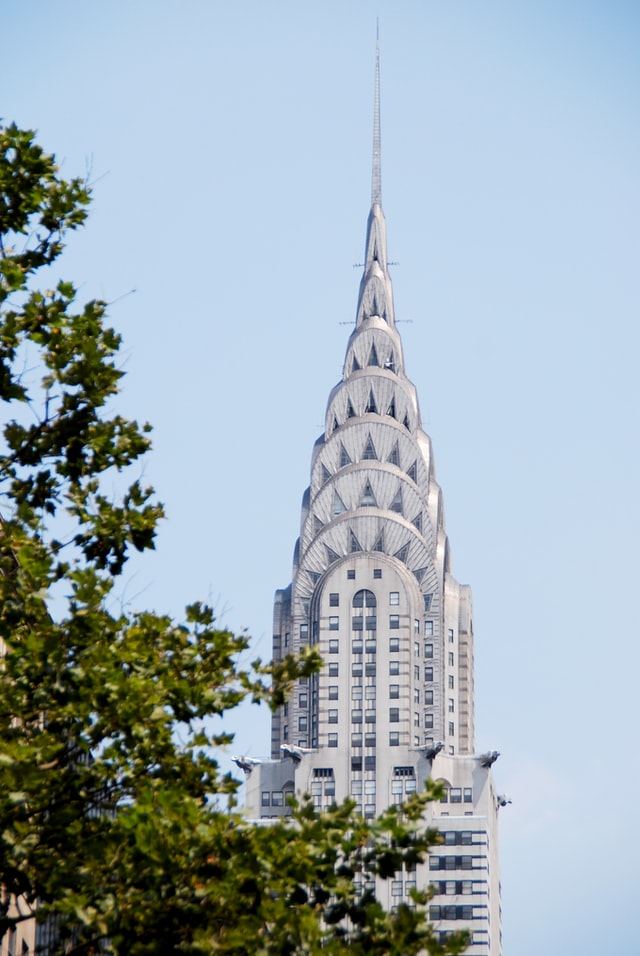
(376, 174)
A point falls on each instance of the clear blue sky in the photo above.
(230, 148)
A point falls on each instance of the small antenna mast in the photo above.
(376, 173)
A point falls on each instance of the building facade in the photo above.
(373, 590)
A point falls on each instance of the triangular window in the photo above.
(379, 545)
(315, 576)
(368, 498)
(396, 504)
(402, 553)
(326, 474)
(354, 544)
(317, 524)
(344, 456)
(356, 364)
(394, 457)
(335, 423)
(417, 522)
(350, 411)
(371, 404)
(420, 573)
(390, 363)
(331, 555)
(369, 451)
(373, 356)
(406, 422)
(338, 504)
(412, 471)
(392, 407)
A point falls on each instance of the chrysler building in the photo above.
(373, 590)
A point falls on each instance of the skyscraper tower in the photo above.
(372, 588)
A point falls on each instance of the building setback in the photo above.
(372, 589)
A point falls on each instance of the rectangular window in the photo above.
(370, 717)
(356, 787)
(428, 651)
(394, 739)
(428, 721)
(466, 837)
(356, 716)
(416, 626)
(334, 623)
(370, 692)
(428, 673)
(396, 887)
(370, 669)
(452, 729)
(370, 787)
(394, 645)
(351, 575)
(357, 647)
(416, 672)
(450, 635)
(333, 670)
(451, 659)
(277, 798)
(370, 624)
(356, 669)
(333, 647)
(287, 639)
(304, 632)
(394, 668)
(266, 798)
(451, 705)
(394, 715)
(394, 691)
(416, 719)
(356, 692)
(334, 599)
(333, 691)
(466, 887)
(356, 623)
(416, 695)
(333, 716)
(333, 740)
(394, 621)
(303, 700)
(394, 598)
(455, 795)
(377, 572)
(428, 628)
(356, 763)
(370, 740)
(434, 911)
(369, 763)
(286, 710)
(428, 698)
(451, 682)
(416, 648)
(468, 796)
(303, 723)
(356, 740)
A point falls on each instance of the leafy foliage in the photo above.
(116, 823)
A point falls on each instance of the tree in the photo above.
(116, 823)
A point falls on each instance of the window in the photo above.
(451, 682)
(333, 647)
(356, 787)
(468, 796)
(455, 795)
(357, 647)
(394, 645)
(450, 633)
(356, 692)
(428, 721)
(394, 598)
(356, 740)
(369, 763)
(266, 798)
(277, 798)
(287, 639)
(394, 621)
(303, 700)
(428, 697)
(333, 670)
(428, 651)
(416, 648)
(428, 628)
(303, 722)
(416, 719)
(285, 732)
(396, 887)
(394, 667)
(451, 705)
(428, 673)
(333, 740)
(416, 626)
(370, 740)
(370, 717)
(370, 669)
(334, 623)
(333, 716)
(394, 739)
(416, 695)
(377, 572)
(286, 710)
(356, 763)
(394, 691)
(304, 632)
(427, 603)
(416, 672)
(370, 692)
(356, 716)
(452, 728)
(394, 715)
(356, 669)
(334, 599)
(450, 658)
(351, 575)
